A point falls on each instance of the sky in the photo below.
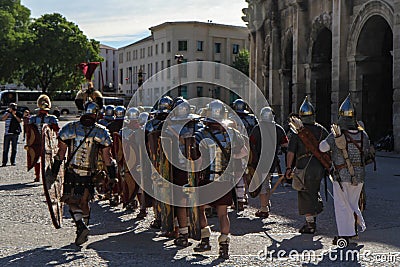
(121, 22)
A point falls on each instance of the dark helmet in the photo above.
(181, 109)
(267, 114)
(132, 114)
(119, 112)
(143, 117)
(165, 105)
(89, 115)
(216, 111)
(307, 112)
(347, 115)
(240, 106)
(109, 112)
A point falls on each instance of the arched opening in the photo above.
(321, 77)
(375, 76)
(287, 80)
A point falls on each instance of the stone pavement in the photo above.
(27, 237)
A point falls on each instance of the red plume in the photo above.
(88, 69)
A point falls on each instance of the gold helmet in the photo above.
(346, 108)
(306, 108)
(43, 102)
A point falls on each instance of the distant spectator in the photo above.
(56, 112)
(12, 130)
(25, 120)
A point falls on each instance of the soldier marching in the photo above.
(212, 142)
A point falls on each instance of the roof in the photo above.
(103, 46)
(148, 38)
(162, 25)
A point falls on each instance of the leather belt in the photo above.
(304, 156)
(81, 168)
(344, 165)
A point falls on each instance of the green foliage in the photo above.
(53, 51)
(241, 61)
(14, 21)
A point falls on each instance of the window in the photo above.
(162, 65)
(182, 45)
(168, 46)
(184, 91)
(162, 48)
(156, 49)
(121, 58)
(217, 48)
(235, 49)
(199, 91)
(121, 76)
(199, 45)
(199, 70)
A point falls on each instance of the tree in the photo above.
(241, 61)
(14, 21)
(53, 51)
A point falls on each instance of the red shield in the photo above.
(33, 145)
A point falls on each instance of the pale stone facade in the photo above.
(106, 77)
(194, 41)
(326, 50)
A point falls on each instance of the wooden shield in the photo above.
(167, 211)
(33, 145)
(53, 186)
(251, 173)
(193, 210)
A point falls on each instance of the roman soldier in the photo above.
(180, 125)
(88, 95)
(108, 116)
(83, 140)
(216, 141)
(268, 124)
(43, 117)
(349, 144)
(152, 134)
(249, 122)
(303, 149)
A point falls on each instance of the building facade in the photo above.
(106, 76)
(171, 43)
(326, 50)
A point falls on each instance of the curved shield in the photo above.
(53, 186)
(167, 211)
(193, 210)
(33, 145)
(251, 173)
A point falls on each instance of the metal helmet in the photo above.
(43, 102)
(91, 108)
(267, 114)
(143, 117)
(347, 115)
(306, 108)
(182, 109)
(119, 112)
(347, 109)
(165, 104)
(132, 114)
(109, 112)
(240, 106)
(177, 101)
(216, 111)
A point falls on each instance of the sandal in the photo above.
(204, 245)
(262, 214)
(182, 240)
(308, 228)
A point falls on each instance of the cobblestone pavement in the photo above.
(27, 237)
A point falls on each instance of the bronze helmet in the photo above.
(267, 114)
(43, 102)
(346, 108)
(306, 108)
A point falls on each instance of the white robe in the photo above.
(346, 204)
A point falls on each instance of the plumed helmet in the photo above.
(165, 104)
(216, 111)
(119, 112)
(132, 113)
(181, 109)
(267, 114)
(91, 108)
(43, 102)
(240, 106)
(306, 108)
(143, 117)
(347, 108)
(109, 111)
(141, 109)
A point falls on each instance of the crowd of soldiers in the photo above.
(101, 154)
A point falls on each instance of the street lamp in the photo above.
(179, 59)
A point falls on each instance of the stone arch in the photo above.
(320, 23)
(369, 9)
(286, 74)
